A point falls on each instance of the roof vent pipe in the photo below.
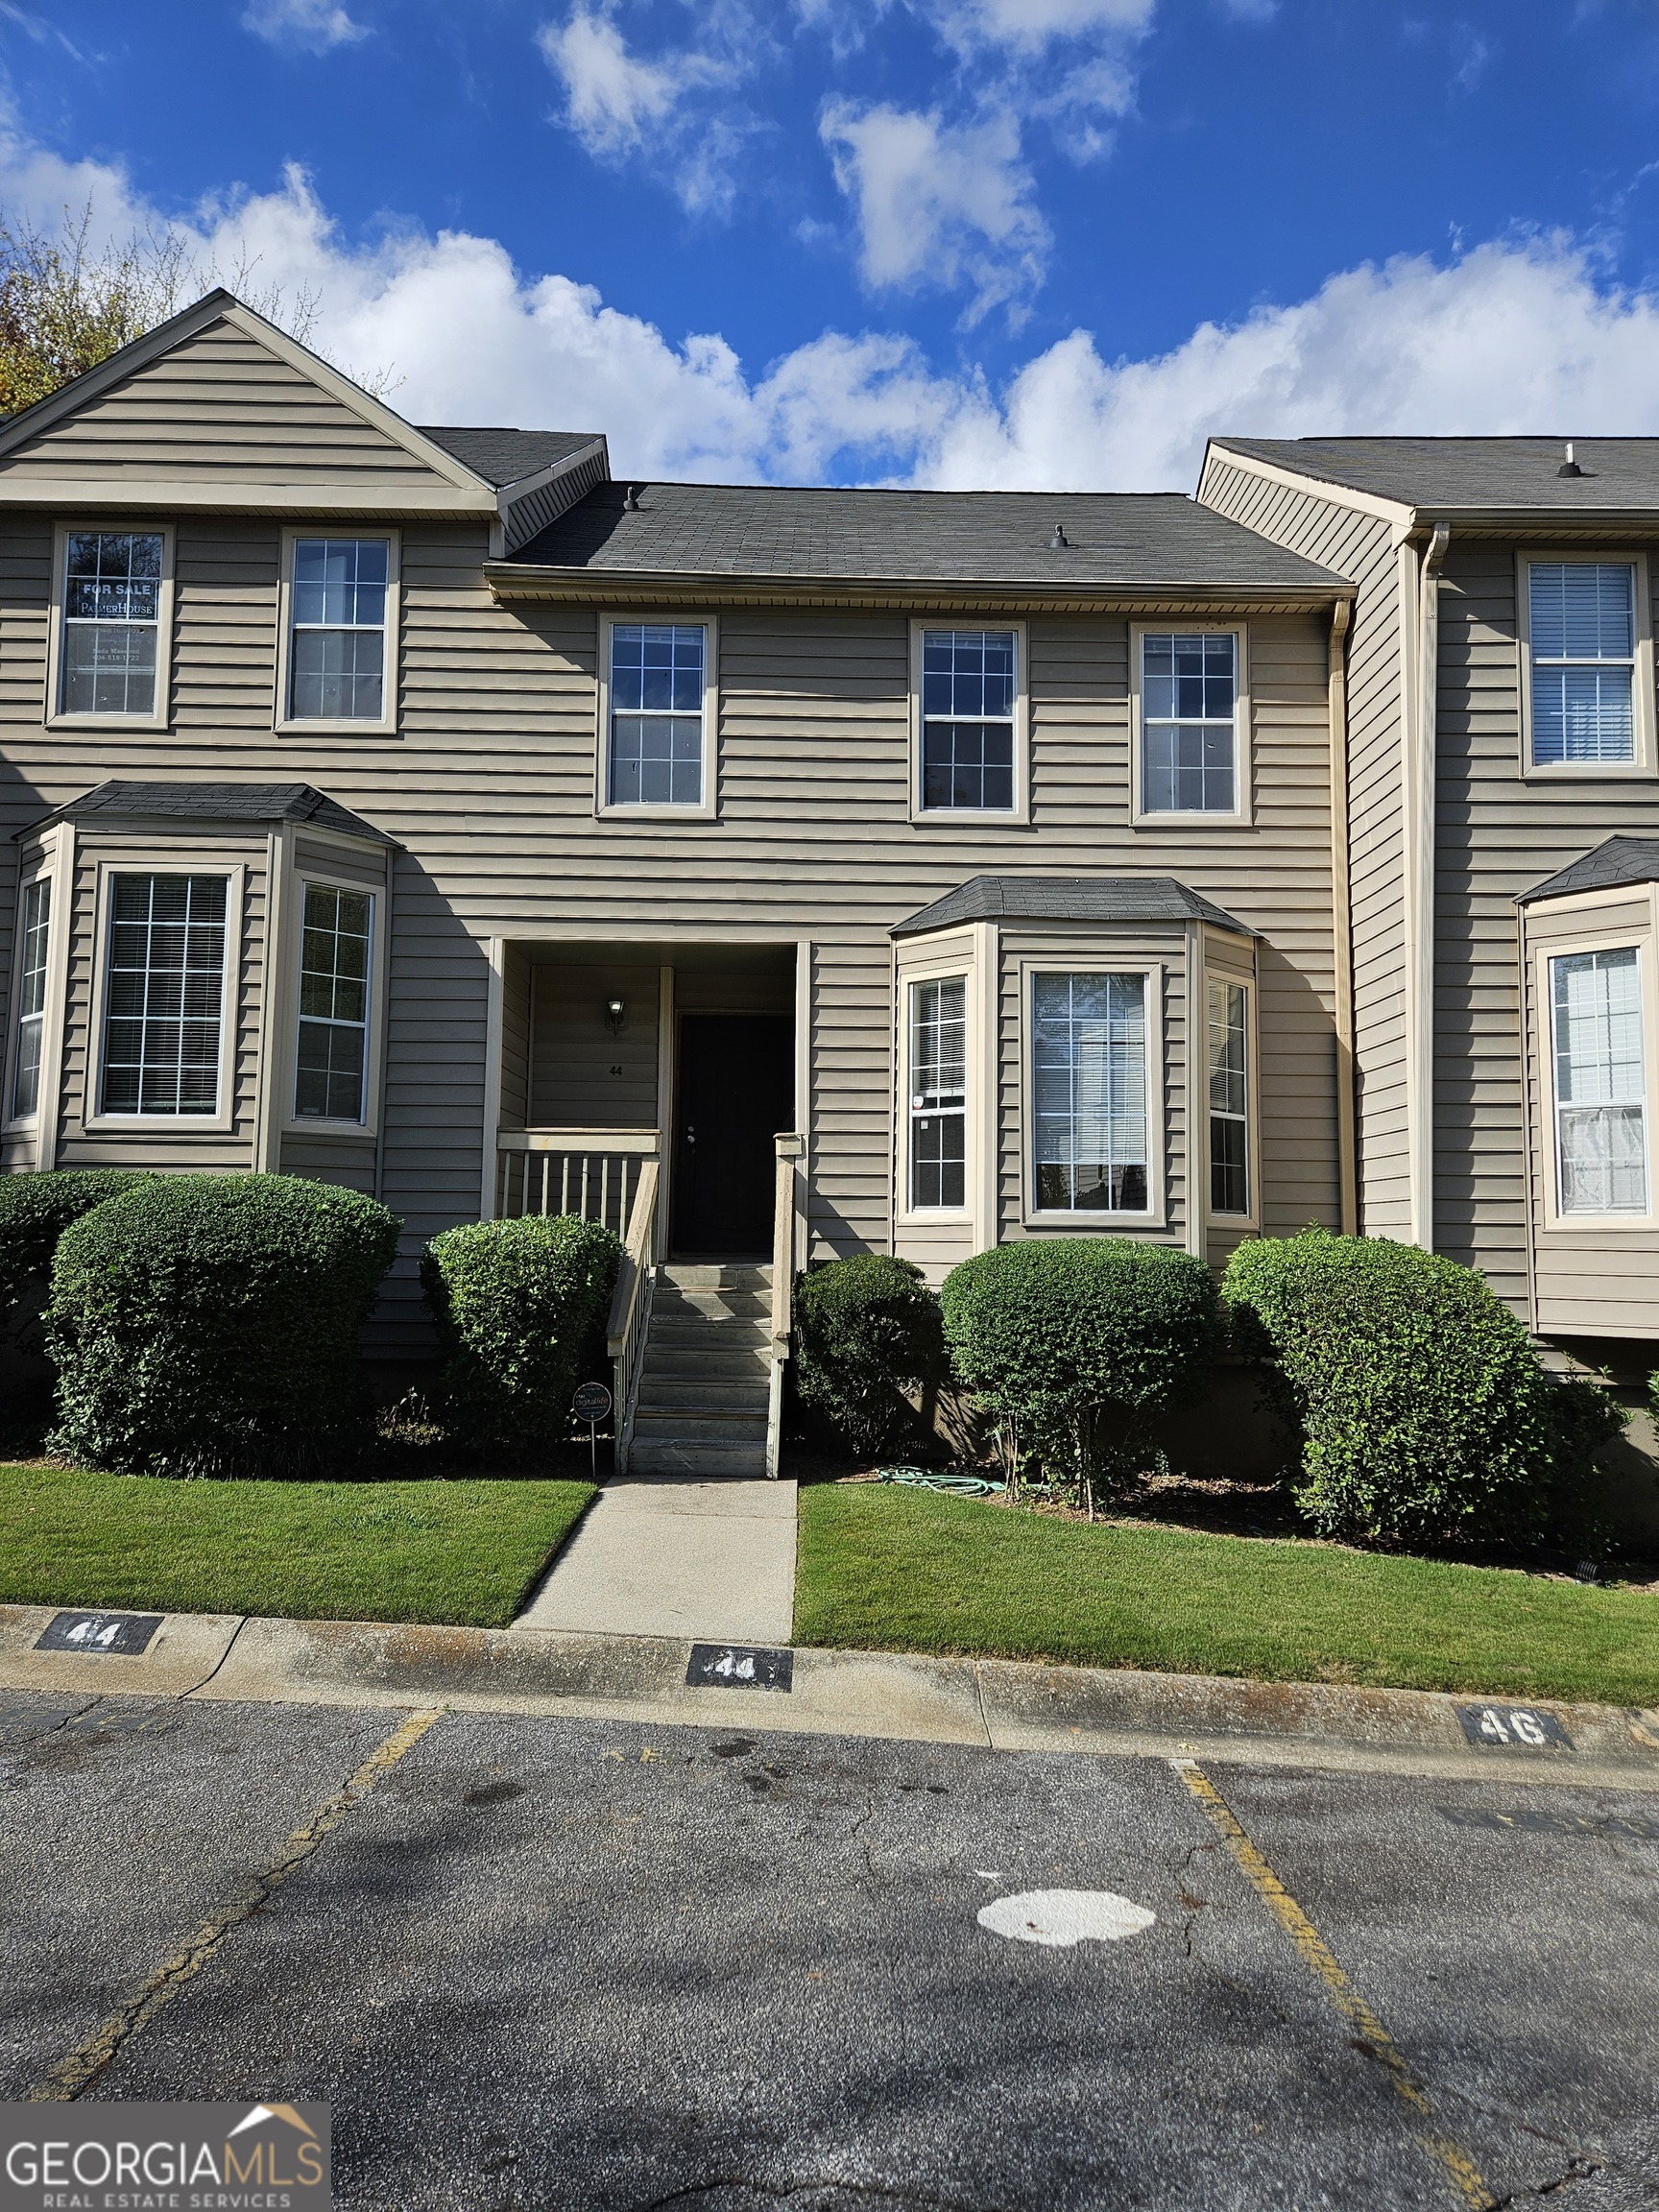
(1059, 538)
(629, 501)
(1569, 467)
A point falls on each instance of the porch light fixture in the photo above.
(616, 1015)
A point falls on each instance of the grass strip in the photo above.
(454, 1551)
(889, 1570)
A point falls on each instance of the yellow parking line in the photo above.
(82, 2067)
(1318, 1957)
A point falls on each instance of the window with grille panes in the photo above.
(1090, 1093)
(337, 658)
(37, 930)
(655, 748)
(332, 1058)
(112, 622)
(1228, 1097)
(968, 711)
(939, 1093)
(1189, 723)
(163, 995)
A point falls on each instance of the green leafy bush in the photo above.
(1071, 1345)
(1425, 1415)
(35, 1210)
(867, 1331)
(208, 1324)
(519, 1305)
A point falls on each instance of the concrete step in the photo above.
(739, 1459)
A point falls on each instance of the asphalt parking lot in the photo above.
(559, 1963)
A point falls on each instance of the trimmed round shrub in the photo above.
(520, 1307)
(208, 1324)
(867, 1331)
(1425, 1415)
(35, 1210)
(1072, 1344)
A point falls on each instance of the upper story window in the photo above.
(655, 749)
(36, 930)
(1190, 691)
(1583, 636)
(109, 645)
(163, 995)
(1228, 1097)
(1090, 1093)
(1601, 1084)
(340, 603)
(939, 1092)
(332, 1057)
(968, 692)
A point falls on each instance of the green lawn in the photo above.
(888, 1570)
(416, 1551)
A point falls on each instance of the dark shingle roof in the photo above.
(1620, 860)
(219, 803)
(1115, 539)
(1473, 472)
(505, 456)
(1068, 898)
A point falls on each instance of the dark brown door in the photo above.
(735, 1092)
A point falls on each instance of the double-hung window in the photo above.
(1583, 644)
(969, 711)
(1189, 752)
(163, 995)
(109, 643)
(339, 612)
(1228, 1097)
(1601, 1084)
(332, 1057)
(1090, 1093)
(37, 930)
(939, 1093)
(655, 750)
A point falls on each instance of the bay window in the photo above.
(331, 1061)
(939, 1093)
(1599, 1063)
(163, 995)
(1090, 1093)
(36, 929)
(1229, 1047)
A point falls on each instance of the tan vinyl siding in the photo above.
(1498, 835)
(517, 981)
(573, 1051)
(344, 1160)
(1358, 546)
(218, 404)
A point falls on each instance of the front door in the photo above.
(736, 1090)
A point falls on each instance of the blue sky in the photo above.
(1023, 241)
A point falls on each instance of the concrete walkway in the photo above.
(661, 1555)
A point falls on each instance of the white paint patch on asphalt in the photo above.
(1059, 1918)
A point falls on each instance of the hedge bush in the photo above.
(518, 1307)
(1425, 1415)
(35, 1210)
(208, 1324)
(1072, 1344)
(867, 1331)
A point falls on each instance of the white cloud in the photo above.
(1035, 24)
(619, 104)
(939, 204)
(316, 25)
(1513, 336)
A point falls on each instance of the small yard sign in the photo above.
(115, 1635)
(739, 1667)
(1512, 1727)
(590, 1404)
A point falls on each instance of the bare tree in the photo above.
(66, 305)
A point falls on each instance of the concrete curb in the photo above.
(997, 1704)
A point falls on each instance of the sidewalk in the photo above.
(663, 1555)
(996, 1704)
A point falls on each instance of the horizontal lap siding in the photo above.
(1496, 835)
(573, 1050)
(1358, 546)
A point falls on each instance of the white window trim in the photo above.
(1242, 813)
(1642, 675)
(1643, 941)
(1019, 814)
(94, 1119)
(159, 715)
(708, 809)
(1097, 960)
(292, 1124)
(287, 725)
(43, 871)
(941, 967)
(1249, 1220)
